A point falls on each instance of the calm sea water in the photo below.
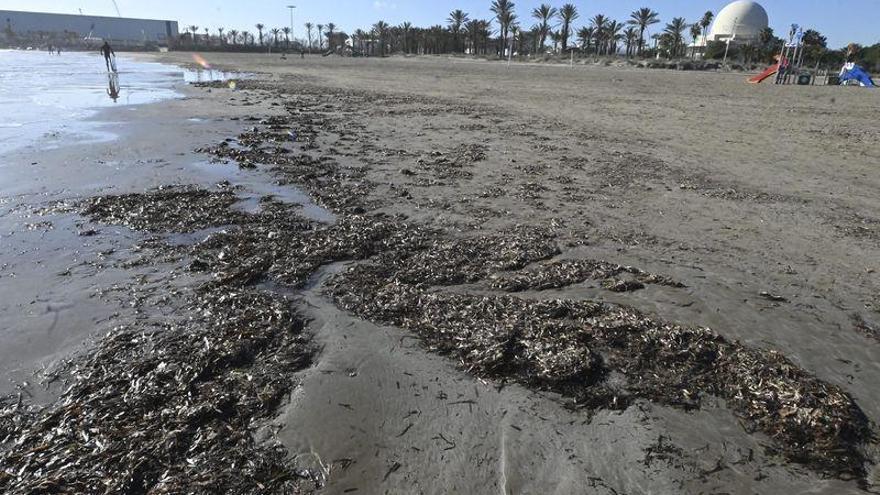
(47, 100)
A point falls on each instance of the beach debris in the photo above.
(663, 450)
(773, 297)
(570, 346)
(166, 406)
(615, 285)
(565, 273)
(865, 328)
(166, 208)
(454, 163)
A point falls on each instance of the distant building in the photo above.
(740, 22)
(37, 26)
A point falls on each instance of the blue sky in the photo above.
(842, 21)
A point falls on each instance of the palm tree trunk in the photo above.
(641, 40)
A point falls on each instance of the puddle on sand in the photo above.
(255, 184)
(211, 75)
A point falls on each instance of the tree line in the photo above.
(544, 30)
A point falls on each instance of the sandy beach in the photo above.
(439, 275)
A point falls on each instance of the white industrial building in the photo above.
(742, 21)
(69, 28)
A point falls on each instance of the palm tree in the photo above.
(309, 27)
(320, 37)
(220, 31)
(472, 33)
(705, 22)
(545, 15)
(555, 37)
(260, 28)
(535, 33)
(515, 35)
(503, 10)
(380, 30)
(613, 36)
(358, 38)
(207, 37)
(331, 30)
(194, 30)
(696, 31)
(675, 31)
(600, 24)
(275, 32)
(457, 19)
(286, 31)
(631, 38)
(585, 37)
(643, 18)
(656, 39)
(247, 37)
(233, 36)
(405, 30)
(567, 14)
(767, 36)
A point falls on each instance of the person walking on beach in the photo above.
(107, 51)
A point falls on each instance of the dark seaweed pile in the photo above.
(565, 273)
(454, 164)
(571, 347)
(169, 209)
(166, 407)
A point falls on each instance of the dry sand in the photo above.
(734, 190)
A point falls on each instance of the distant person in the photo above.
(51, 49)
(59, 51)
(107, 51)
(302, 53)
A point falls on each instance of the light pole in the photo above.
(292, 37)
(727, 48)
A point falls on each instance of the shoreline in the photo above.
(354, 168)
(140, 155)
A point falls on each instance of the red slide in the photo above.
(764, 75)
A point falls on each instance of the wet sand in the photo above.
(56, 266)
(766, 214)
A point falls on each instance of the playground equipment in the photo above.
(771, 71)
(788, 69)
(855, 73)
(792, 51)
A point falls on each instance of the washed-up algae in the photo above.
(169, 209)
(563, 273)
(571, 346)
(566, 346)
(166, 407)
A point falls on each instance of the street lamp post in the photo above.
(727, 48)
(291, 7)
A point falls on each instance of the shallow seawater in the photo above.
(46, 100)
(256, 184)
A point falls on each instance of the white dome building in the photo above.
(741, 21)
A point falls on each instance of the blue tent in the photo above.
(853, 72)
